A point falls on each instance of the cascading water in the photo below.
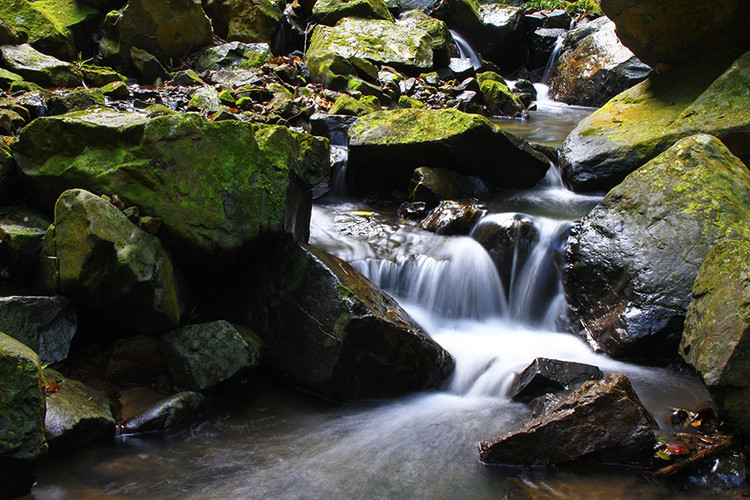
(466, 51)
(553, 59)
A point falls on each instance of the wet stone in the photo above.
(545, 375)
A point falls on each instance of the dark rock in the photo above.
(545, 375)
(135, 360)
(331, 11)
(501, 38)
(76, 100)
(169, 414)
(432, 185)
(234, 55)
(416, 210)
(385, 148)
(716, 329)
(631, 263)
(22, 407)
(21, 236)
(335, 127)
(557, 18)
(45, 324)
(116, 90)
(99, 76)
(497, 96)
(329, 330)
(543, 42)
(451, 217)
(243, 21)
(187, 78)
(603, 421)
(76, 413)
(200, 356)
(148, 67)
(461, 68)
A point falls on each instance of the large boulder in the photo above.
(385, 148)
(595, 68)
(217, 186)
(167, 29)
(502, 35)
(40, 68)
(329, 330)
(331, 11)
(244, 21)
(643, 121)
(717, 326)
(631, 262)
(22, 409)
(675, 31)
(103, 260)
(602, 420)
(45, 324)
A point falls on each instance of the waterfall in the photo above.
(466, 51)
(553, 59)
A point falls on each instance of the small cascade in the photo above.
(553, 59)
(466, 51)
(339, 159)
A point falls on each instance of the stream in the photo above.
(277, 443)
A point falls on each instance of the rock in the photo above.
(546, 375)
(461, 68)
(631, 263)
(234, 55)
(147, 66)
(450, 218)
(39, 68)
(437, 29)
(596, 69)
(405, 102)
(645, 120)
(205, 99)
(76, 413)
(10, 34)
(385, 148)
(330, 69)
(335, 127)
(47, 325)
(602, 421)
(675, 31)
(188, 78)
(106, 262)
(171, 413)
(556, 18)
(135, 360)
(8, 170)
(167, 29)
(502, 35)
(460, 15)
(331, 11)
(217, 186)
(99, 76)
(330, 331)
(497, 96)
(347, 105)
(22, 408)
(21, 236)
(200, 356)
(416, 210)
(716, 326)
(242, 21)
(116, 90)
(8, 77)
(432, 185)
(76, 100)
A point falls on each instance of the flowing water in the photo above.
(273, 443)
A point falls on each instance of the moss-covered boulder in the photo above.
(385, 148)
(167, 29)
(200, 356)
(40, 68)
(205, 99)
(460, 15)
(675, 31)
(329, 330)
(76, 413)
(348, 105)
(631, 262)
(234, 55)
(53, 26)
(11, 34)
(331, 11)
(245, 21)
(706, 96)
(104, 261)
(377, 40)
(715, 340)
(22, 409)
(45, 324)
(99, 76)
(217, 186)
(437, 29)
(595, 68)
(76, 100)
(497, 96)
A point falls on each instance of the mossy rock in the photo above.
(708, 95)
(11, 34)
(385, 147)
(169, 414)
(347, 105)
(437, 29)
(147, 66)
(39, 68)
(405, 101)
(22, 409)
(7, 77)
(205, 99)
(217, 186)
(116, 90)
(243, 21)
(331, 11)
(234, 55)
(498, 97)
(76, 100)
(631, 262)
(330, 69)
(715, 340)
(99, 76)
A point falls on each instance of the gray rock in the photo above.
(452, 217)
(546, 375)
(39, 68)
(234, 55)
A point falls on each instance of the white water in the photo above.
(466, 51)
(553, 59)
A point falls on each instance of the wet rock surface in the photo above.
(168, 414)
(545, 375)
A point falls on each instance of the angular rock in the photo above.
(715, 340)
(148, 68)
(217, 186)
(21, 236)
(437, 29)
(234, 55)
(135, 360)
(99, 76)
(502, 35)
(200, 356)
(648, 118)
(596, 69)
(76, 413)
(386, 147)
(631, 263)
(76, 100)
(167, 29)
(432, 185)
(106, 262)
(347, 105)
(603, 421)
(329, 330)
(11, 34)
(331, 11)
(497, 96)
(22, 408)
(47, 325)
(460, 15)
(675, 31)
(40, 68)
(451, 218)
(205, 99)
(171, 413)
(243, 21)
(546, 375)
(335, 127)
